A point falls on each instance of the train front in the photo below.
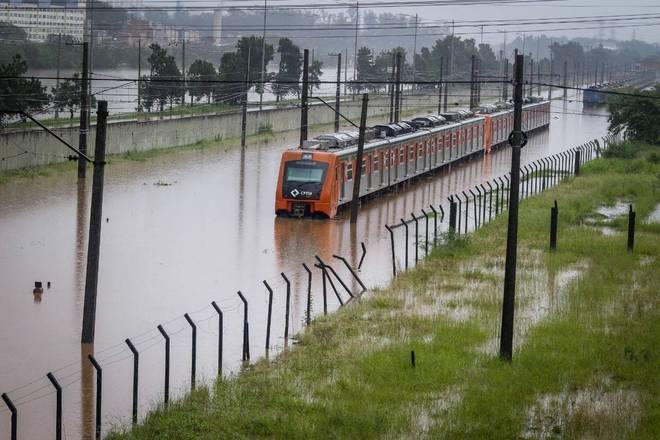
(304, 186)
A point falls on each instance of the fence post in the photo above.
(136, 363)
(308, 317)
(220, 336)
(99, 396)
(323, 268)
(576, 166)
(426, 233)
(14, 416)
(167, 364)
(508, 184)
(269, 316)
(474, 208)
(364, 254)
(58, 408)
(325, 292)
(554, 213)
(246, 328)
(490, 201)
(412, 214)
(477, 206)
(288, 302)
(350, 269)
(467, 208)
(327, 266)
(483, 206)
(435, 225)
(405, 226)
(452, 216)
(631, 228)
(460, 212)
(193, 361)
(544, 169)
(392, 245)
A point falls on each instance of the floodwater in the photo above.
(179, 231)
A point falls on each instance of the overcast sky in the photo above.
(648, 29)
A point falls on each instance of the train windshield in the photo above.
(299, 172)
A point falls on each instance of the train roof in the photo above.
(345, 143)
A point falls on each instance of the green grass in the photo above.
(586, 341)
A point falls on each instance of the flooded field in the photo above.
(182, 230)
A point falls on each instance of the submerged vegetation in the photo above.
(585, 360)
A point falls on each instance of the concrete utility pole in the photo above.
(552, 76)
(355, 202)
(244, 101)
(355, 49)
(183, 71)
(444, 104)
(505, 90)
(509, 297)
(263, 58)
(303, 103)
(397, 88)
(442, 62)
(338, 92)
(565, 78)
(84, 111)
(473, 92)
(57, 80)
(392, 87)
(96, 214)
(139, 93)
(415, 54)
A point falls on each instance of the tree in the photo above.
(290, 69)
(200, 75)
(11, 32)
(17, 93)
(638, 116)
(67, 94)
(233, 68)
(315, 74)
(165, 81)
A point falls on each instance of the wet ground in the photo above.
(179, 231)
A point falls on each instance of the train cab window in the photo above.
(349, 171)
(305, 171)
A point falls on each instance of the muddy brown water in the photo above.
(184, 229)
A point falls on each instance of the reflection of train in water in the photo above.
(317, 179)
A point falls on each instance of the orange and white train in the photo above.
(316, 179)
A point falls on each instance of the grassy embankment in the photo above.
(587, 326)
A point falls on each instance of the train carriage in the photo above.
(317, 179)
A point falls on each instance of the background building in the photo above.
(40, 21)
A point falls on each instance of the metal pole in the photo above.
(193, 361)
(392, 88)
(136, 363)
(94, 244)
(397, 88)
(446, 87)
(508, 304)
(220, 336)
(166, 382)
(57, 80)
(14, 416)
(392, 247)
(288, 302)
(58, 407)
(338, 92)
(246, 329)
(99, 396)
(358, 161)
(303, 102)
(405, 226)
(631, 228)
(84, 111)
(355, 49)
(270, 314)
(442, 61)
(308, 317)
(263, 58)
(244, 101)
(139, 92)
(554, 213)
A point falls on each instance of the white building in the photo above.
(39, 22)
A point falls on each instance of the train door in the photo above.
(383, 168)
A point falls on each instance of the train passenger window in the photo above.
(375, 163)
(411, 152)
(402, 156)
(386, 162)
(349, 171)
(364, 166)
